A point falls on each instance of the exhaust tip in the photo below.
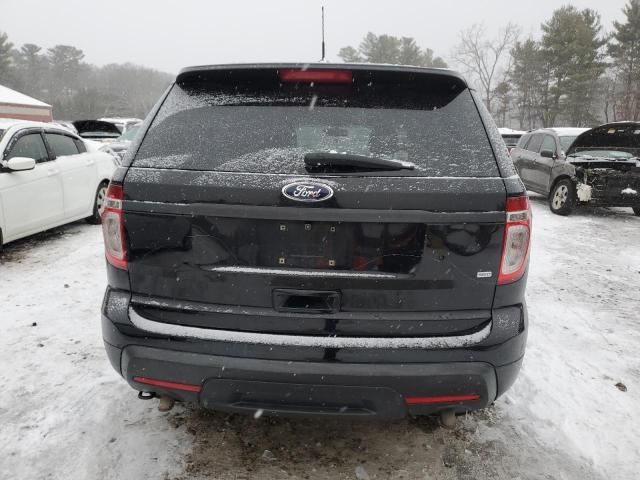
(146, 395)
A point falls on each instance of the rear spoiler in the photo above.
(359, 70)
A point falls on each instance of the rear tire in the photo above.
(98, 204)
(636, 210)
(563, 197)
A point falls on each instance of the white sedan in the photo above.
(48, 177)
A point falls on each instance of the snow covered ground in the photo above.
(64, 413)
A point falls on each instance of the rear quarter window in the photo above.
(535, 143)
(61, 145)
(269, 128)
(522, 143)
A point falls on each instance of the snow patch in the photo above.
(300, 272)
(306, 340)
(584, 192)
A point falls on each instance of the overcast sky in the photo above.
(169, 35)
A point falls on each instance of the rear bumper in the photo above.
(357, 382)
(313, 389)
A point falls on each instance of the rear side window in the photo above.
(80, 145)
(548, 144)
(29, 146)
(61, 145)
(522, 143)
(268, 127)
(535, 143)
(566, 141)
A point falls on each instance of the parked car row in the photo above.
(118, 148)
(97, 130)
(112, 135)
(102, 129)
(48, 176)
(511, 137)
(579, 166)
(122, 124)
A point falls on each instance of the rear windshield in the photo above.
(511, 139)
(566, 141)
(222, 127)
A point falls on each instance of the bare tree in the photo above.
(483, 58)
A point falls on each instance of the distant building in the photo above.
(17, 105)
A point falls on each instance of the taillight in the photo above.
(517, 236)
(113, 227)
(316, 76)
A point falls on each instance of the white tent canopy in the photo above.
(18, 105)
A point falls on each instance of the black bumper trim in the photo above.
(310, 388)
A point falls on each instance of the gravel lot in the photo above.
(572, 414)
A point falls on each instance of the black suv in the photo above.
(318, 240)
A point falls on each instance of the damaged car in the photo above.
(600, 167)
(96, 130)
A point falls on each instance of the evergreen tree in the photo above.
(410, 53)
(429, 61)
(66, 64)
(624, 51)
(389, 49)
(380, 49)
(5, 59)
(530, 76)
(32, 69)
(572, 46)
(350, 55)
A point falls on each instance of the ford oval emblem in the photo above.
(307, 192)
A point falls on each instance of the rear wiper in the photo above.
(349, 161)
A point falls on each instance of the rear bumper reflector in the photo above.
(171, 385)
(440, 399)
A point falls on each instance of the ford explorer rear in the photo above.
(347, 240)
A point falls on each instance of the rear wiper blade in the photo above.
(318, 160)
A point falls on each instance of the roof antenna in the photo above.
(323, 51)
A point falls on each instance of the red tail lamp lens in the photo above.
(440, 399)
(186, 387)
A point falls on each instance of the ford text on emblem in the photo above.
(307, 191)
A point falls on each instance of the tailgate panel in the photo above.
(424, 254)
